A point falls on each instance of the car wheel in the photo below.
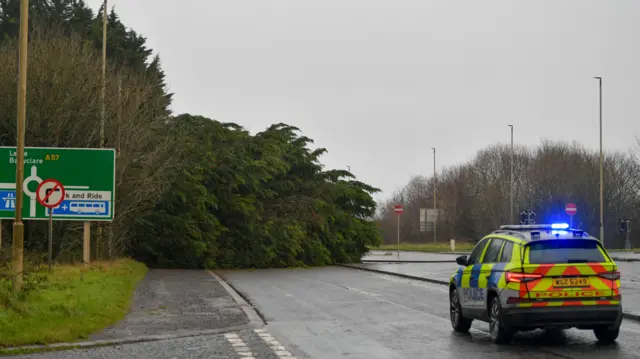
(499, 334)
(458, 321)
(607, 335)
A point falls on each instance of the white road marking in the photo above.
(239, 346)
(279, 349)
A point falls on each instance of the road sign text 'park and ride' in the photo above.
(87, 175)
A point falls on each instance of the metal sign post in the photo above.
(398, 209)
(50, 194)
(625, 227)
(628, 240)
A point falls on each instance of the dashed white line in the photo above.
(239, 346)
(278, 348)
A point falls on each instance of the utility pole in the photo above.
(18, 226)
(102, 126)
(511, 189)
(601, 163)
(119, 124)
(435, 185)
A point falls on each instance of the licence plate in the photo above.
(571, 282)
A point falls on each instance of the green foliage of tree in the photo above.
(192, 192)
(254, 201)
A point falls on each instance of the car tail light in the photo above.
(521, 277)
(610, 275)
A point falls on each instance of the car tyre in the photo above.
(607, 335)
(458, 321)
(499, 334)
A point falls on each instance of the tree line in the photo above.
(475, 196)
(192, 192)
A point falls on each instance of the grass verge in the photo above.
(69, 304)
(425, 247)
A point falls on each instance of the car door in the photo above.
(485, 271)
(468, 292)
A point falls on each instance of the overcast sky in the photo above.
(379, 83)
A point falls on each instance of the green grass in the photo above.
(69, 304)
(425, 247)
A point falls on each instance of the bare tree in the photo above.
(476, 195)
(63, 111)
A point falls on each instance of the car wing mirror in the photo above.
(462, 260)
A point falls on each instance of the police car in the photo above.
(527, 277)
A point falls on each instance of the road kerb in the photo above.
(254, 318)
(254, 322)
(626, 315)
(423, 279)
(130, 340)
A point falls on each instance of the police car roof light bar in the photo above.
(521, 227)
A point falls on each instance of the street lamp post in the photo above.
(435, 184)
(18, 226)
(601, 162)
(511, 189)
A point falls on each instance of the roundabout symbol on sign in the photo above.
(50, 193)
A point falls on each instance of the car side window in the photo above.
(507, 251)
(493, 251)
(477, 252)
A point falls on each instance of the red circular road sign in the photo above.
(570, 209)
(398, 209)
(50, 193)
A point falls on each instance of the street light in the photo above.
(18, 226)
(601, 163)
(511, 189)
(87, 225)
(435, 183)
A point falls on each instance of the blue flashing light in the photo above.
(560, 225)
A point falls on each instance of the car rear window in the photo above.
(565, 251)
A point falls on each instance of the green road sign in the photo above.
(87, 174)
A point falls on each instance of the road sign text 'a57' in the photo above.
(86, 174)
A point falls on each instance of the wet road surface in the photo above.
(630, 272)
(338, 312)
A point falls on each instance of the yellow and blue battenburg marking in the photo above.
(541, 285)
